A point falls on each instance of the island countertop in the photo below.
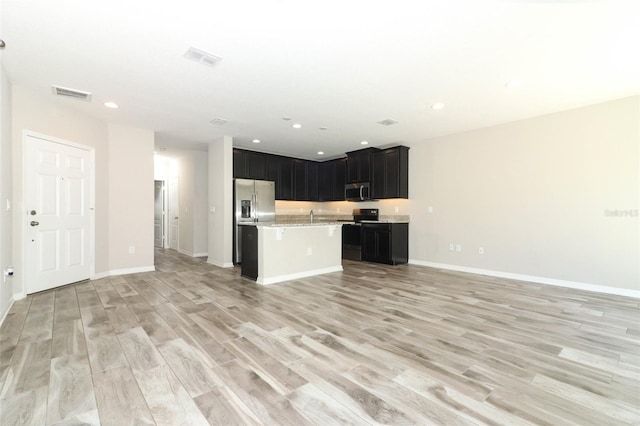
(288, 224)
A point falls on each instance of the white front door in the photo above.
(58, 192)
(174, 224)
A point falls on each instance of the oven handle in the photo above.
(361, 189)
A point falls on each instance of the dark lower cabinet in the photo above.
(385, 242)
(249, 267)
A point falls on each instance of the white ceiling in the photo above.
(340, 64)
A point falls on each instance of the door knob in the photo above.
(34, 223)
(32, 212)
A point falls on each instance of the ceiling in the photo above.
(343, 65)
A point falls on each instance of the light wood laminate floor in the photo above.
(195, 344)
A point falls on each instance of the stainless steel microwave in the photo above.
(359, 191)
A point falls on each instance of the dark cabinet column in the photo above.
(248, 164)
(359, 165)
(390, 175)
(305, 180)
(331, 180)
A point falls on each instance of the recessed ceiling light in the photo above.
(256, 141)
(364, 143)
(111, 105)
(320, 152)
(513, 84)
(438, 105)
(297, 126)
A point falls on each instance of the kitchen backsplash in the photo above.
(391, 207)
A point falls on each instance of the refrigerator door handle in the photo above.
(255, 207)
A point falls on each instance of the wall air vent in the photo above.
(388, 122)
(71, 93)
(203, 57)
(218, 121)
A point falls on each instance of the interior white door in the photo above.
(158, 214)
(174, 222)
(58, 220)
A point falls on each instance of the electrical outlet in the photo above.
(459, 248)
(429, 209)
(309, 251)
(480, 250)
(397, 209)
(132, 249)
(451, 247)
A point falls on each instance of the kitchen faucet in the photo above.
(311, 216)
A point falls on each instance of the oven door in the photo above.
(351, 242)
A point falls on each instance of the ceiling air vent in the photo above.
(218, 121)
(387, 122)
(203, 57)
(71, 93)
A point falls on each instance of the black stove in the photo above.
(365, 214)
(351, 235)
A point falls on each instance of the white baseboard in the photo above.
(531, 278)
(191, 254)
(4, 316)
(220, 264)
(126, 271)
(100, 275)
(297, 275)
(132, 270)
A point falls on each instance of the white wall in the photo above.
(201, 204)
(185, 168)
(534, 194)
(6, 258)
(131, 198)
(220, 202)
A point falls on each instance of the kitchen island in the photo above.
(272, 253)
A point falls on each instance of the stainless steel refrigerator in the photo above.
(253, 201)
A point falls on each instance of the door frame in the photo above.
(165, 213)
(174, 210)
(25, 214)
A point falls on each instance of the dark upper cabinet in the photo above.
(305, 180)
(248, 164)
(285, 182)
(385, 242)
(280, 170)
(359, 165)
(390, 173)
(331, 180)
